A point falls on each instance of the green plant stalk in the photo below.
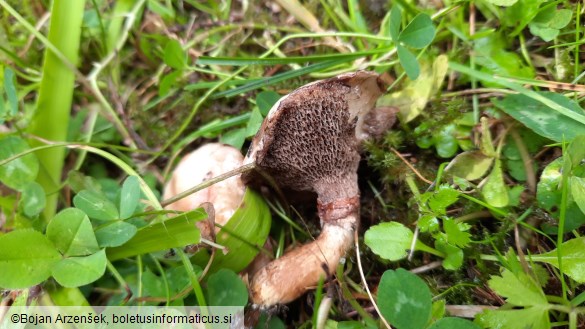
(572, 320)
(118, 277)
(163, 276)
(349, 297)
(562, 217)
(61, 296)
(577, 34)
(51, 118)
(194, 281)
(318, 299)
(139, 271)
(420, 246)
(115, 26)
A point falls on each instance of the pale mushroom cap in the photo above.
(207, 162)
(310, 139)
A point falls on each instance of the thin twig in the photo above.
(208, 183)
(428, 267)
(361, 270)
(418, 174)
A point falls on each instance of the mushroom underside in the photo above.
(310, 141)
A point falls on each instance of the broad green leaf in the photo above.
(548, 195)
(395, 22)
(408, 62)
(78, 182)
(515, 195)
(457, 234)
(445, 141)
(225, 288)
(265, 100)
(10, 89)
(235, 138)
(174, 55)
(129, 196)
(561, 19)
(175, 232)
(404, 299)
(542, 119)
(519, 289)
(520, 14)
(505, 3)
(168, 82)
(19, 172)
(114, 234)
(32, 200)
(493, 58)
(548, 22)
(412, 99)
(511, 261)
(26, 259)
(470, 165)
(453, 255)
(71, 232)
(442, 199)
(419, 33)
(152, 284)
(254, 123)
(179, 279)
(453, 323)
(535, 317)
(438, 309)
(428, 223)
(576, 151)
(545, 33)
(244, 234)
(578, 192)
(79, 271)
(96, 205)
(573, 254)
(389, 240)
(494, 190)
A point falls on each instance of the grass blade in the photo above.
(278, 78)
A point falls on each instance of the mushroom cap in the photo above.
(206, 162)
(310, 139)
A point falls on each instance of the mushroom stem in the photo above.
(288, 277)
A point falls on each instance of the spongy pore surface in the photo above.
(313, 144)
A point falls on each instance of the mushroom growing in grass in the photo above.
(310, 141)
(238, 218)
(208, 161)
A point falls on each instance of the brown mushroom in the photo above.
(310, 141)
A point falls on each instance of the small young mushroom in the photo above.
(310, 141)
(208, 161)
